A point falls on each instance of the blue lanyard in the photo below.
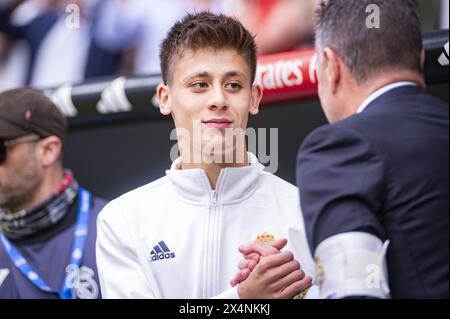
(79, 242)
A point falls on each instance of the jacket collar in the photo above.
(382, 91)
(234, 184)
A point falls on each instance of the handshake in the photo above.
(267, 273)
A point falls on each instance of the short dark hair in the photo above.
(396, 44)
(207, 30)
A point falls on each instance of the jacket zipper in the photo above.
(211, 285)
(214, 198)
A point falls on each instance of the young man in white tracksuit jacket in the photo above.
(178, 236)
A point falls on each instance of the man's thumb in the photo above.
(279, 243)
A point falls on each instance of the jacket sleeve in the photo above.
(340, 178)
(120, 274)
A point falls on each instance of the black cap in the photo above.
(26, 111)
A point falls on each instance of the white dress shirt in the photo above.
(381, 91)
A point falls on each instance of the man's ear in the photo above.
(332, 68)
(49, 150)
(257, 94)
(422, 59)
(163, 96)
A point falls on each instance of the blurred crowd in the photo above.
(46, 43)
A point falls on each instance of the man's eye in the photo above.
(234, 86)
(200, 85)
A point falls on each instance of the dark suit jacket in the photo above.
(385, 172)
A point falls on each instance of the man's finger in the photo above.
(234, 281)
(279, 244)
(270, 262)
(246, 263)
(286, 269)
(289, 279)
(253, 256)
(240, 277)
(260, 248)
(244, 273)
(295, 288)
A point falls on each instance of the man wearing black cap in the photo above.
(48, 233)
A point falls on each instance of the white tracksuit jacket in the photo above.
(178, 238)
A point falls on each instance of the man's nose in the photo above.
(218, 99)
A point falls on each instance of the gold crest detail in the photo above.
(265, 237)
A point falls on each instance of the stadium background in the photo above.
(117, 138)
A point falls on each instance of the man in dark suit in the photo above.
(374, 183)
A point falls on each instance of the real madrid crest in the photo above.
(265, 238)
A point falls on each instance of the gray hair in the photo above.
(396, 43)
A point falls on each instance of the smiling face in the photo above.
(210, 92)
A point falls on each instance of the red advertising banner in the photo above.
(288, 75)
